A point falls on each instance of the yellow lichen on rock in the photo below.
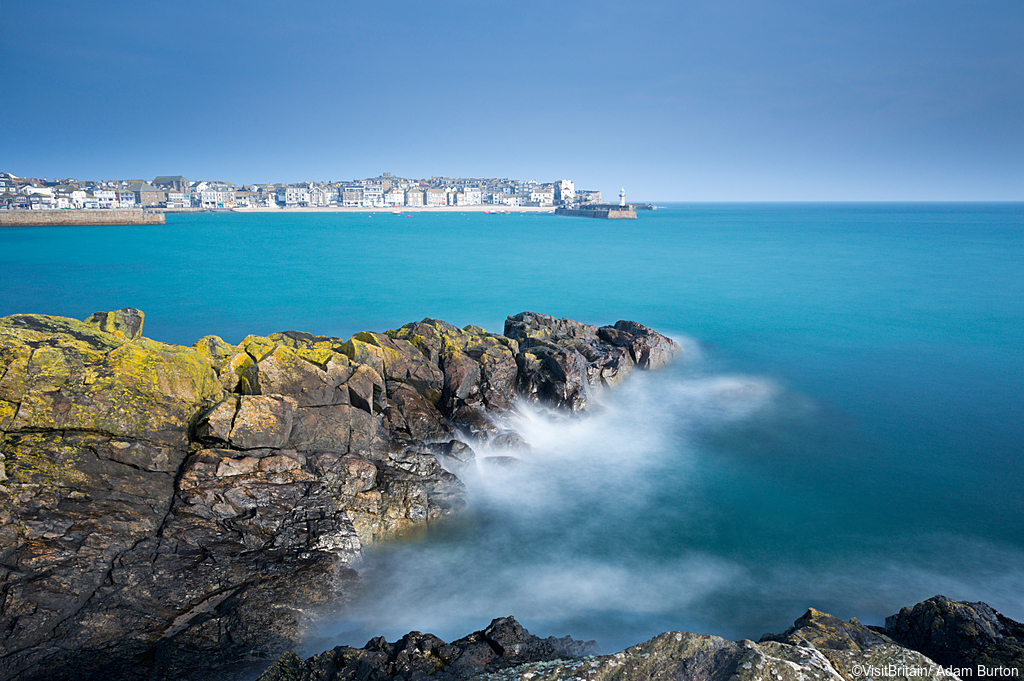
(319, 350)
(14, 357)
(235, 368)
(262, 421)
(124, 324)
(241, 376)
(33, 459)
(361, 352)
(279, 364)
(8, 410)
(389, 356)
(71, 375)
(258, 347)
(215, 348)
(168, 369)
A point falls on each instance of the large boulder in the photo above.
(477, 371)
(820, 630)
(561, 361)
(402, 362)
(647, 348)
(97, 431)
(959, 634)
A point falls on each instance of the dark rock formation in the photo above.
(172, 512)
(818, 646)
(820, 630)
(475, 372)
(682, 656)
(561, 361)
(849, 647)
(422, 657)
(959, 635)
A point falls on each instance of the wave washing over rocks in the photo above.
(175, 513)
(192, 513)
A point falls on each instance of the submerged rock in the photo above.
(174, 512)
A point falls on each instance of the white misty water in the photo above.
(689, 498)
(563, 536)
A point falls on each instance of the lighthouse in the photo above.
(622, 197)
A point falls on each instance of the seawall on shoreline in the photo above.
(603, 213)
(41, 218)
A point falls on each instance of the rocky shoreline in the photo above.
(169, 512)
(172, 512)
(936, 639)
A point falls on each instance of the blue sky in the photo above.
(725, 100)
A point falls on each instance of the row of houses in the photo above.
(65, 193)
(177, 192)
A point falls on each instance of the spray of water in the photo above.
(657, 511)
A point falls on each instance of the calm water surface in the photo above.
(845, 431)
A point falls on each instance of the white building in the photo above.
(293, 196)
(106, 198)
(373, 196)
(565, 191)
(436, 197)
(544, 196)
(126, 199)
(352, 196)
(320, 196)
(176, 200)
(214, 198)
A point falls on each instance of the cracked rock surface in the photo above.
(172, 512)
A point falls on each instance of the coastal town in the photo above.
(177, 193)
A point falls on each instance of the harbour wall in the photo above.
(121, 216)
(604, 213)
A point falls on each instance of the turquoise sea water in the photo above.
(846, 430)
